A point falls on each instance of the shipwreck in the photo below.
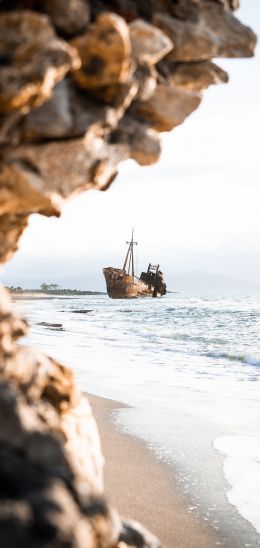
(122, 283)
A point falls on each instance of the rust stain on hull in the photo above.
(121, 285)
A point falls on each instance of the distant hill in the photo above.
(200, 281)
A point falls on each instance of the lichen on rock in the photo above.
(84, 85)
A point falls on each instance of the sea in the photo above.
(188, 367)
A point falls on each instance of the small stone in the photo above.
(119, 96)
(69, 17)
(167, 108)
(51, 120)
(194, 76)
(131, 531)
(35, 60)
(105, 53)
(149, 44)
(21, 28)
(143, 143)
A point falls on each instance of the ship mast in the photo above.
(129, 260)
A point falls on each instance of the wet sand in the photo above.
(142, 488)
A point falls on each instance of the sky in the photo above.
(196, 210)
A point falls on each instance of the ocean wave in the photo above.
(177, 336)
(214, 311)
(243, 358)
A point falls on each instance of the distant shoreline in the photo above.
(38, 294)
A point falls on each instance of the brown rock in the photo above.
(143, 143)
(22, 28)
(64, 167)
(51, 120)
(9, 128)
(190, 9)
(230, 4)
(216, 33)
(146, 147)
(146, 77)
(11, 325)
(69, 17)
(70, 113)
(105, 53)
(149, 44)
(23, 191)
(194, 76)
(133, 534)
(11, 229)
(37, 60)
(119, 96)
(167, 108)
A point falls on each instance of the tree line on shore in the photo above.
(52, 289)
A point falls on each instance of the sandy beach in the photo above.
(32, 296)
(142, 488)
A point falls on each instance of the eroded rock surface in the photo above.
(78, 78)
(83, 86)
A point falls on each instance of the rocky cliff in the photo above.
(83, 86)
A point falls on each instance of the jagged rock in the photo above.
(37, 59)
(52, 120)
(11, 325)
(195, 76)
(143, 143)
(69, 113)
(21, 29)
(167, 108)
(149, 44)
(23, 191)
(119, 96)
(11, 229)
(146, 76)
(133, 534)
(69, 17)
(66, 167)
(105, 53)
(190, 9)
(230, 4)
(216, 33)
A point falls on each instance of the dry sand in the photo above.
(142, 488)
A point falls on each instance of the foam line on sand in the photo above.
(142, 488)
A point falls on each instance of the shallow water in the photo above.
(189, 365)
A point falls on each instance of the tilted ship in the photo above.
(122, 283)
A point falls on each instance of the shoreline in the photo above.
(143, 488)
(41, 295)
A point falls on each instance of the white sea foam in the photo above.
(242, 471)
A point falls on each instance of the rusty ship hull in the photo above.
(121, 285)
